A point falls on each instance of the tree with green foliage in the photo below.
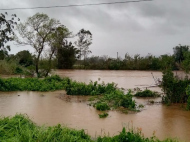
(3, 54)
(6, 33)
(167, 62)
(83, 43)
(6, 29)
(186, 62)
(66, 55)
(24, 58)
(179, 52)
(57, 41)
(36, 32)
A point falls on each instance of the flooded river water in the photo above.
(47, 107)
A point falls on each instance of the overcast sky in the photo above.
(136, 28)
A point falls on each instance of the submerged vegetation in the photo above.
(114, 100)
(109, 96)
(20, 128)
(147, 93)
(103, 115)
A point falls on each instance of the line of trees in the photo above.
(49, 38)
(180, 60)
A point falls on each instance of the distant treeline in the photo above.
(179, 60)
(136, 62)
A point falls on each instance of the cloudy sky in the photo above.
(147, 27)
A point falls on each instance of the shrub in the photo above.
(33, 84)
(147, 93)
(102, 106)
(174, 88)
(103, 115)
(188, 100)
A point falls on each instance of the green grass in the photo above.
(33, 84)
(21, 129)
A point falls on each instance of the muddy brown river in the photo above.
(48, 107)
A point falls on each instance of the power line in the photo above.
(76, 5)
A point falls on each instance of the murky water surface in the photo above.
(49, 108)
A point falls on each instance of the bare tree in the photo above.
(36, 32)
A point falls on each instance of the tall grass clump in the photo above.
(33, 84)
(21, 129)
(93, 88)
(132, 136)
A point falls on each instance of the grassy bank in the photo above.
(21, 129)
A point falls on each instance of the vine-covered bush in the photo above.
(174, 88)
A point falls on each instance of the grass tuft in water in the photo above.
(103, 115)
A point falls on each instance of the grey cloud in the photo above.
(146, 27)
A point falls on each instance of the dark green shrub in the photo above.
(147, 93)
(18, 70)
(127, 102)
(103, 115)
(102, 106)
(188, 100)
(174, 88)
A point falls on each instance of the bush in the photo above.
(147, 93)
(93, 88)
(33, 84)
(103, 115)
(102, 106)
(174, 88)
